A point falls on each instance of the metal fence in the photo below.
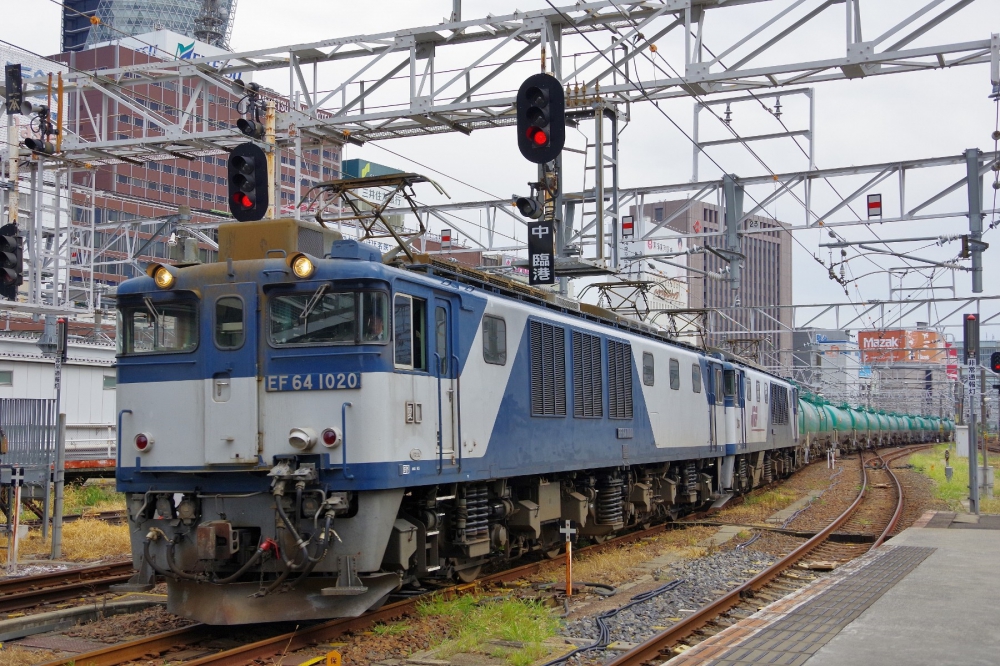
(30, 431)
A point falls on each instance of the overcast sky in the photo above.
(877, 119)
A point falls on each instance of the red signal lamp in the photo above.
(538, 136)
(242, 200)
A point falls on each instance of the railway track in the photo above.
(108, 516)
(28, 591)
(878, 518)
(186, 639)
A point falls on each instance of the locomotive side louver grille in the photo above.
(619, 380)
(588, 389)
(779, 405)
(548, 369)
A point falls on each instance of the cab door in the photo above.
(444, 369)
(231, 421)
(716, 410)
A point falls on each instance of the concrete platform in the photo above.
(930, 596)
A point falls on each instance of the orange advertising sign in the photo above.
(901, 346)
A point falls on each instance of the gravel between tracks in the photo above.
(705, 579)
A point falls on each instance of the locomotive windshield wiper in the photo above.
(313, 302)
(157, 316)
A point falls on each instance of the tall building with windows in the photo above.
(140, 189)
(766, 279)
(210, 21)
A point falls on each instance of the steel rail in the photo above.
(325, 631)
(899, 493)
(27, 591)
(651, 648)
(332, 629)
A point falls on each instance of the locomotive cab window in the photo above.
(675, 374)
(229, 331)
(696, 378)
(158, 328)
(718, 386)
(409, 332)
(327, 317)
(758, 391)
(494, 340)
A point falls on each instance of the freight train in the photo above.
(306, 428)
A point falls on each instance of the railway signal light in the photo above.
(995, 362)
(252, 128)
(248, 182)
(541, 118)
(528, 207)
(11, 261)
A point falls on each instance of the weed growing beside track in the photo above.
(931, 464)
(511, 629)
(84, 540)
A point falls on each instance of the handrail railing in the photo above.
(458, 406)
(118, 435)
(343, 437)
(440, 424)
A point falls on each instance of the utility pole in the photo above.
(273, 165)
(62, 342)
(971, 351)
(975, 189)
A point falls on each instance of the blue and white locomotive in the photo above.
(304, 428)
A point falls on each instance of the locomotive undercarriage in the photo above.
(298, 552)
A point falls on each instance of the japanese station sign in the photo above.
(541, 261)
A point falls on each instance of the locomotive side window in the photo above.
(158, 328)
(374, 315)
(494, 340)
(730, 380)
(409, 332)
(441, 337)
(675, 374)
(648, 374)
(229, 332)
(696, 378)
(718, 386)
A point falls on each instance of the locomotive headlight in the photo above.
(331, 438)
(143, 442)
(161, 275)
(302, 266)
(302, 439)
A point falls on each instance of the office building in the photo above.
(210, 21)
(766, 277)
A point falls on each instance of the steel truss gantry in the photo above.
(459, 76)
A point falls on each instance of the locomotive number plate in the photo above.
(313, 381)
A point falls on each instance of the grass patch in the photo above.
(931, 464)
(84, 540)
(759, 505)
(12, 655)
(476, 625)
(81, 499)
(394, 629)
